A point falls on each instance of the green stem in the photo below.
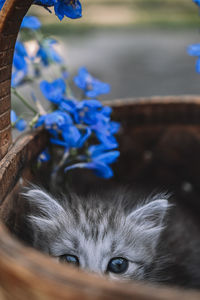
(33, 121)
(24, 101)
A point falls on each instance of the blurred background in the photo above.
(138, 46)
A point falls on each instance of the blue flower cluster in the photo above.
(46, 54)
(74, 122)
(69, 8)
(83, 129)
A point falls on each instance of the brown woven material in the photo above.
(159, 143)
(11, 16)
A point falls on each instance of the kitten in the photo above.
(118, 235)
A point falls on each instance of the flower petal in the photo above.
(53, 91)
(71, 136)
(44, 156)
(31, 22)
(108, 140)
(198, 65)
(107, 157)
(13, 116)
(21, 125)
(101, 169)
(84, 138)
(72, 9)
(194, 50)
(2, 3)
(91, 86)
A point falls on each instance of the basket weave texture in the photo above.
(10, 19)
(25, 274)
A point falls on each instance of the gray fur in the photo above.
(98, 229)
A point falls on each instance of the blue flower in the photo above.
(69, 105)
(197, 2)
(20, 63)
(44, 156)
(101, 169)
(106, 110)
(72, 137)
(20, 49)
(107, 139)
(108, 157)
(13, 116)
(198, 65)
(2, 3)
(17, 122)
(45, 2)
(92, 113)
(194, 50)
(20, 53)
(114, 127)
(91, 86)
(104, 130)
(96, 150)
(84, 137)
(100, 161)
(21, 125)
(47, 53)
(90, 104)
(31, 22)
(101, 158)
(53, 91)
(17, 78)
(20, 66)
(70, 8)
(89, 112)
(55, 120)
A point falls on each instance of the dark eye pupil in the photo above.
(70, 259)
(118, 265)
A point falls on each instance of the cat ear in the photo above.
(147, 222)
(43, 202)
(45, 213)
(150, 215)
(46, 210)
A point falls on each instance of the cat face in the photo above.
(96, 235)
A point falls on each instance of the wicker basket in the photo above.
(160, 145)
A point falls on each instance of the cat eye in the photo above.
(117, 265)
(70, 259)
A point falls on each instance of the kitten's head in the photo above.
(98, 235)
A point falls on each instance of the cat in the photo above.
(118, 234)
